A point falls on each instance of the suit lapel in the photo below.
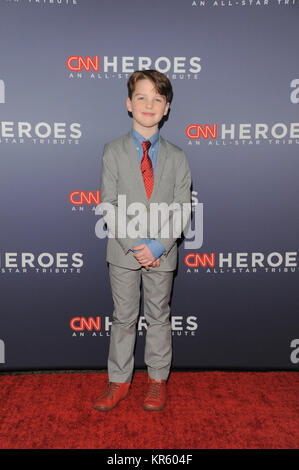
(136, 171)
(161, 159)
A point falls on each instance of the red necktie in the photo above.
(147, 168)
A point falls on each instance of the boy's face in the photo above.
(147, 106)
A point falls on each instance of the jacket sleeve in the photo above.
(109, 201)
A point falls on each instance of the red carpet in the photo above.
(205, 410)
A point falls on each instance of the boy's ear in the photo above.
(129, 104)
(166, 108)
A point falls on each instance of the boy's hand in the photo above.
(144, 256)
(156, 263)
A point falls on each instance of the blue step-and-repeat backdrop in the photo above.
(63, 85)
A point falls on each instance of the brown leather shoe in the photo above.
(116, 392)
(156, 395)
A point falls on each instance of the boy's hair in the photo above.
(161, 82)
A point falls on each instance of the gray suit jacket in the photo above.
(121, 175)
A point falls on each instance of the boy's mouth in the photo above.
(148, 114)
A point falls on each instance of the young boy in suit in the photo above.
(145, 168)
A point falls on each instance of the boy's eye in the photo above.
(157, 99)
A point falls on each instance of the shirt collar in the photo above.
(153, 139)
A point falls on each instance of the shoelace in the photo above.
(154, 390)
(113, 386)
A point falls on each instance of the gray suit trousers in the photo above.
(125, 286)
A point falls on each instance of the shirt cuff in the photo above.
(156, 248)
(143, 240)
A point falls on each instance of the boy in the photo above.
(145, 168)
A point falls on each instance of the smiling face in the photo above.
(147, 106)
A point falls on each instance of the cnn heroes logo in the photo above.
(79, 198)
(220, 263)
(40, 133)
(42, 263)
(100, 326)
(122, 66)
(241, 3)
(153, 220)
(37, 3)
(243, 133)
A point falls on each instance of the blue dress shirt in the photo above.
(156, 248)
